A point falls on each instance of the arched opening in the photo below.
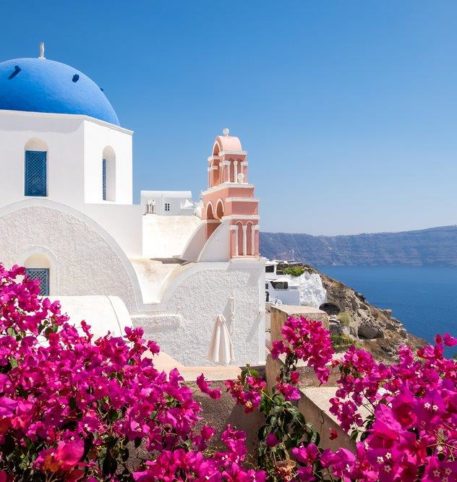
(108, 174)
(38, 268)
(216, 169)
(211, 220)
(35, 168)
(240, 239)
(232, 174)
(209, 211)
(220, 210)
(216, 149)
(250, 239)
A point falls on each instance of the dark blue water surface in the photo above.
(424, 299)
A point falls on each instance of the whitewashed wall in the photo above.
(176, 200)
(96, 138)
(122, 222)
(83, 258)
(167, 236)
(103, 313)
(185, 318)
(64, 139)
(87, 242)
(74, 156)
(217, 247)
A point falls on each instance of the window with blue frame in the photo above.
(35, 173)
(104, 179)
(42, 275)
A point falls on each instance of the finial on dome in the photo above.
(41, 51)
(226, 131)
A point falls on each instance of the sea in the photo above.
(423, 298)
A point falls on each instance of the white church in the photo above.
(189, 273)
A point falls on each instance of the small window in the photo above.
(104, 179)
(270, 268)
(280, 285)
(167, 206)
(42, 275)
(150, 206)
(35, 173)
(108, 180)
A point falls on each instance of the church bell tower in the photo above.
(230, 198)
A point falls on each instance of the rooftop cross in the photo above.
(41, 51)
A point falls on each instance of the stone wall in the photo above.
(280, 313)
(315, 398)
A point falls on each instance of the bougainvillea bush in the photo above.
(77, 408)
(408, 432)
(74, 408)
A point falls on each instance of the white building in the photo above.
(66, 213)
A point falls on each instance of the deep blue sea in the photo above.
(424, 299)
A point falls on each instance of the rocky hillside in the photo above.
(352, 318)
(426, 247)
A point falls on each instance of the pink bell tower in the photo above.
(230, 198)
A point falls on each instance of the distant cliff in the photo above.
(426, 247)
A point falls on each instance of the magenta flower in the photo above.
(404, 409)
(288, 391)
(70, 405)
(271, 440)
(204, 386)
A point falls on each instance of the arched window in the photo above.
(232, 175)
(240, 239)
(250, 239)
(109, 174)
(216, 167)
(209, 211)
(35, 168)
(220, 210)
(37, 267)
(212, 222)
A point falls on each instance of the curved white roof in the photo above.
(102, 313)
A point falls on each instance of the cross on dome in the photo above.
(41, 56)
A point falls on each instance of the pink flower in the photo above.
(204, 386)
(66, 401)
(340, 462)
(288, 391)
(277, 349)
(449, 340)
(247, 390)
(271, 440)
(64, 458)
(404, 408)
(437, 470)
(294, 377)
(306, 455)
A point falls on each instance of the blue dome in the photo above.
(41, 85)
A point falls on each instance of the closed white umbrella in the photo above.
(221, 347)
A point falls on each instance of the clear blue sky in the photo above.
(348, 109)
